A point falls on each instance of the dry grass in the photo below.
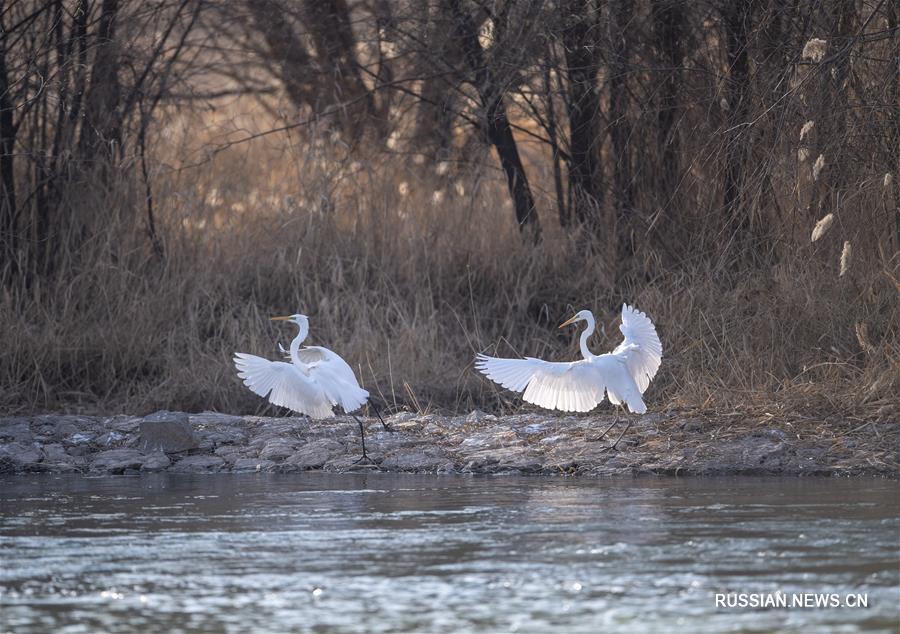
(408, 286)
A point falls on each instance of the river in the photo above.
(378, 552)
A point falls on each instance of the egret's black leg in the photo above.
(362, 441)
(615, 444)
(606, 431)
(377, 411)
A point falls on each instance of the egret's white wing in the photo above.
(620, 384)
(641, 347)
(335, 376)
(283, 384)
(570, 387)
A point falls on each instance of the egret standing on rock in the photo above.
(623, 374)
(315, 381)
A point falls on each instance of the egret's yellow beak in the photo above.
(569, 321)
(287, 318)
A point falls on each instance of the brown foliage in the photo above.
(174, 171)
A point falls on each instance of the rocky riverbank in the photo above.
(660, 443)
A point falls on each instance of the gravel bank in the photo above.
(659, 443)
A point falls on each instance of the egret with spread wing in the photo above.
(621, 375)
(314, 382)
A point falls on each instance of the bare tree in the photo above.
(496, 124)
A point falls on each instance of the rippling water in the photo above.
(320, 552)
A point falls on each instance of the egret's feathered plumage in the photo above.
(314, 382)
(579, 386)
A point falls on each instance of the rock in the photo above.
(516, 458)
(496, 436)
(551, 440)
(16, 429)
(79, 450)
(314, 454)
(126, 425)
(476, 416)
(157, 461)
(253, 464)
(399, 418)
(198, 464)
(56, 453)
(117, 460)
(227, 450)
(80, 438)
(54, 467)
(215, 418)
(109, 439)
(16, 456)
(225, 436)
(478, 443)
(166, 431)
(64, 430)
(277, 449)
(414, 460)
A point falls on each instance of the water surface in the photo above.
(378, 552)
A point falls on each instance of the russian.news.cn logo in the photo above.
(793, 600)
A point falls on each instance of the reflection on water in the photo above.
(319, 552)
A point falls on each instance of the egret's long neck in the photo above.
(585, 335)
(295, 344)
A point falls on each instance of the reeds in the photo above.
(408, 287)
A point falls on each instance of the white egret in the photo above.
(579, 386)
(313, 383)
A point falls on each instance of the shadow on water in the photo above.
(378, 552)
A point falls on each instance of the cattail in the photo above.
(802, 154)
(486, 35)
(862, 336)
(815, 50)
(806, 129)
(846, 256)
(393, 140)
(818, 166)
(822, 227)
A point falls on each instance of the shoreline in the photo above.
(662, 444)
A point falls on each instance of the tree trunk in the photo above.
(583, 105)
(737, 17)
(620, 16)
(9, 230)
(330, 26)
(101, 130)
(288, 53)
(669, 27)
(433, 134)
(496, 123)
